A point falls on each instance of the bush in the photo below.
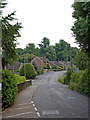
(28, 71)
(16, 70)
(67, 76)
(20, 79)
(62, 67)
(48, 66)
(80, 81)
(39, 72)
(9, 88)
(61, 79)
(55, 67)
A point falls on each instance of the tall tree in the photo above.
(81, 28)
(9, 39)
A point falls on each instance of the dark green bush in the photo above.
(44, 67)
(39, 72)
(20, 79)
(61, 79)
(16, 70)
(67, 76)
(62, 67)
(28, 71)
(9, 88)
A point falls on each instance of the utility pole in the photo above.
(70, 58)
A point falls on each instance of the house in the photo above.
(15, 66)
(40, 62)
(58, 63)
(51, 63)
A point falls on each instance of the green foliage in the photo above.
(28, 71)
(39, 72)
(67, 76)
(82, 24)
(62, 67)
(48, 66)
(20, 79)
(81, 60)
(55, 67)
(80, 82)
(27, 58)
(44, 67)
(9, 88)
(61, 79)
(9, 39)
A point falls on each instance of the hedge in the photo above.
(39, 72)
(67, 76)
(28, 71)
(80, 81)
(9, 88)
(20, 79)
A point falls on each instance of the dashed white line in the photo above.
(35, 108)
(18, 114)
(38, 114)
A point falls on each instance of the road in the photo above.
(55, 100)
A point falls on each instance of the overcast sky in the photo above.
(43, 18)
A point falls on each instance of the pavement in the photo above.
(23, 106)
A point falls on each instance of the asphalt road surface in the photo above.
(55, 100)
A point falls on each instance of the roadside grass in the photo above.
(61, 79)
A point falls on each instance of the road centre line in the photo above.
(17, 109)
(18, 114)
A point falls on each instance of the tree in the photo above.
(81, 28)
(81, 60)
(27, 58)
(46, 42)
(9, 39)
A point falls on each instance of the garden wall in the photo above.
(23, 85)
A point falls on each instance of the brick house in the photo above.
(51, 63)
(40, 62)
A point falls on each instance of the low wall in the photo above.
(23, 85)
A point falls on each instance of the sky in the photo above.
(43, 18)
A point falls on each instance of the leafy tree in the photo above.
(81, 28)
(81, 60)
(9, 39)
(19, 51)
(46, 42)
(27, 58)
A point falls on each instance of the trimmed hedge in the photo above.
(20, 79)
(61, 79)
(9, 88)
(28, 71)
(39, 72)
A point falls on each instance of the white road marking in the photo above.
(35, 108)
(18, 114)
(31, 101)
(17, 109)
(50, 112)
(38, 114)
(23, 103)
(33, 105)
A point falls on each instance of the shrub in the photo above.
(55, 67)
(67, 76)
(62, 67)
(20, 79)
(48, 66)
(9, 88)
(44, 67)
(16, 70)
(28, 71)
(61, 79)
(39, 72)
(80, 81)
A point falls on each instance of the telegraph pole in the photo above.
(70, 58)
